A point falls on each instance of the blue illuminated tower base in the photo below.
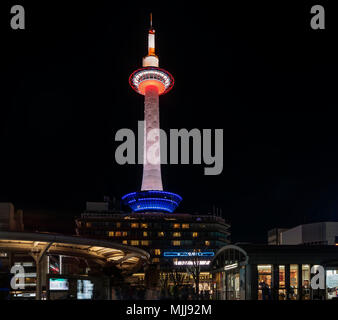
(152, 201)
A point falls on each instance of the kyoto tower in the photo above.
(151, 82)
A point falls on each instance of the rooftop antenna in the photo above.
(151, 20)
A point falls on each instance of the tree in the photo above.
(195, 270)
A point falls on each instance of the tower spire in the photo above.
(151, 59)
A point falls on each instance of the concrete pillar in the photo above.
(252, 281)
(300, 282)
(275, 282)
(38, 279)
(152, 179)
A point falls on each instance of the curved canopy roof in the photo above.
(101, 251)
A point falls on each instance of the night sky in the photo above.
(257, 70)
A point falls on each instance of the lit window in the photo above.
(155, 260)
(207, 243)
(145, 234)
(125, 241)
(118, 224)
(111, 234)
(161, 234)
(134, 225)
(195, 234)
(118, 234)
(176, 243)
(144, 225)
(88, 224)
(124, 233)
(144, 243)
(185, 226)
(177, 225)
(157, 252)
(134, 242)
(176, 234)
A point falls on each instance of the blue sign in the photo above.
(188, 254)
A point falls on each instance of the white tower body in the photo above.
(152, 179)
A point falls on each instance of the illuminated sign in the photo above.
(58, 284)
(190, 263)
(231, 266)
(188, 254)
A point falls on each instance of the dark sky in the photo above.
(257, 70)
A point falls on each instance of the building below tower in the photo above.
(173, 241)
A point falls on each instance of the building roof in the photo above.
(283, 254)
(125, 257)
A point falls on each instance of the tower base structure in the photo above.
(152, 201)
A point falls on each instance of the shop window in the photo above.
(176, 234)
(306, 276)
(134, 225)
(176, 243)
(176, 225)
(195, 234)
(161, 234)
(282, 290)
(157, 252)
(332, 284)
(264, 281)
(125, 241)
(293, 281)
(185, 225)
(134, 242)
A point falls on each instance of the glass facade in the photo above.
(237, 275)
(332, 284)
(264, 281)
(281, 289)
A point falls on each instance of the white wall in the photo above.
(320, 232)
(331, 232)
(292, 236)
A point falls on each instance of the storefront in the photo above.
(262, 272)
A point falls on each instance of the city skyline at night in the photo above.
(68, 93)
